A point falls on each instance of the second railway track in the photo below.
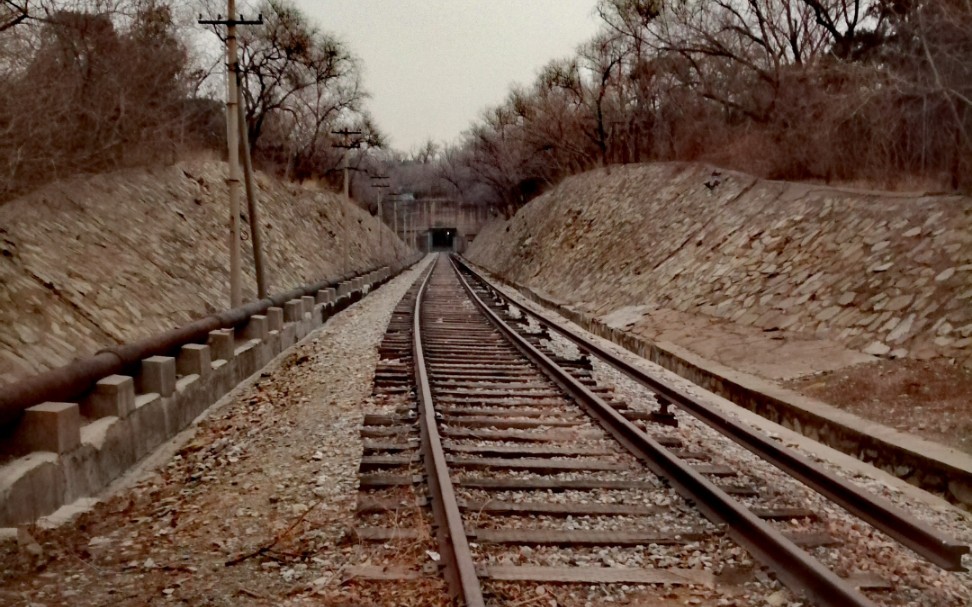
(532, 479)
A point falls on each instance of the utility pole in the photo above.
(395, 216)
(251, 204)
(232, 142)
(380, 185)
(410, 223)
(347, 144)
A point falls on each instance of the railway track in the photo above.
(501, 460)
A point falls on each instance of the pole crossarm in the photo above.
(348, 143)
(230, 22)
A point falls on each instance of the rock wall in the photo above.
(99, 260)
(887, 274)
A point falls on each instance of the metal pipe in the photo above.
(74, 380)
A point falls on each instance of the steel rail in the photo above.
(794, 567)
(873, 509)
(460, 569)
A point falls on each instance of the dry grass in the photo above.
(928, 398)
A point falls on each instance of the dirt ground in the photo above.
(257, 508)
(930, 398)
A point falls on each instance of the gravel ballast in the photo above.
(255, 508)
(863, 550)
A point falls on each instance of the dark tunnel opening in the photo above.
(442, 238)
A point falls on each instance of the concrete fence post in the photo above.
(112, 396)
(293, 310)
(308, 304)
(256, 328)
(51, 427)
(275, 317)
(194, 359)
(158, 375)
(223, 344)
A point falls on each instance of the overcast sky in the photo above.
(432, 66)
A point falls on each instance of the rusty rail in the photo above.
(882, 514)
(460, 569)
(72, 381)
(793, 566)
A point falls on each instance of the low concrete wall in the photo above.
(922, 463)
(75, 449)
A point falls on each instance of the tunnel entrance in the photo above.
(441, 239)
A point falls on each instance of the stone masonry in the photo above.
(100, 260)
(884, 274)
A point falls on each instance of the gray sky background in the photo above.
(432, 66)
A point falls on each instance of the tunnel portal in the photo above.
(442, 239)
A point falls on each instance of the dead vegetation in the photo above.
(924, 397)
(88, 86)
(874, 92)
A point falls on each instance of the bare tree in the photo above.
(290, 67)
(90, 89)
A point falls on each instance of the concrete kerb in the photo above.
(125, 419)
(921, 463)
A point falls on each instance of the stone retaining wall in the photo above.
(95, 261)
(886, 274)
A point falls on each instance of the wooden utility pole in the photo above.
(380, 185)
(232, 142)
(347, 144)
(410, 224)
(251, 204)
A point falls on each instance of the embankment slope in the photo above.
(885, 274)
(99, 260)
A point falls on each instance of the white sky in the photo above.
(432, 66)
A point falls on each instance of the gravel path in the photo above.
(255, 509)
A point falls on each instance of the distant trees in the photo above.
(877, 91)
(92, 85)
(298, 84)
(89, 91)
